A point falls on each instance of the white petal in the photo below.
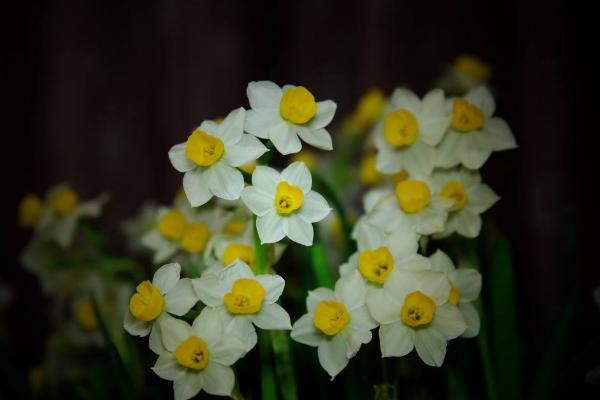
(499, 134)
(260, 124)
(188, 385)
(166, 277)
(325, 112)
(351, 290)
(257, 200)
(448, 320)
(155, 340)
(178, 158)
(225, 181)
(419, 159)
(467, 223)
(181, 298)
(270, 227)
(468, 283)
(483, 99)
(403, 242)
(434, 285)
(396, 340)
(433, 128)
(231, 129)
(446, 155)
(195, 185)
(440, 262)
(285, 139)
(404, 98)
(354, 339)
(272, 316)
(298, 174)
(135, 326)
(229, 349)
(209, 126)
(304, 331)
(384, 308)
(474, 150)
(431, 346)
(208, 290)
(361, 319)
(209, 326)
(481, 198)
(273, 285)
(472, 320)
(162, 248)
(314, 207)
(332, 355)
(263, 94)
(242, 327)
(266, 179)
(247, 149)
(298, 230)
(167, 367)
(318, 138)
(318, 295)
(218, 379)
(174, 331)
(388, 161)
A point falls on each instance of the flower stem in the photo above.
(262, 255)
(486, 358)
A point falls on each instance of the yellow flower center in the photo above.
(203, 149)
(192, 353)
(249, 167)
(331, 317)
(298, 105)
(369, 108)
(246, 297)
(454, 294)
(418, 310)
(64, 201)
(239, 252)
(413, 196)
(307, 157)
(235, 227)
(367, 171)
(455, 191)
(288, 198)
(172, 225)
(30, 210)
(195, 237)
(148, 303)
(400, 128)
(472, 67)
(466, 117)
(376, 265)
(84, 314)
(400, 176)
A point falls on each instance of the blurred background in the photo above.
(95, 93)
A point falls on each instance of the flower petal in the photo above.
(167, 367)
(481, 198)
(209, 326)
(285, 139)
(468, 283)
(304, 331)
(384, 308)
(325, 112)
(318, 138)
(467, 223)
(472, 320)
(299, 175)
(332, 355)
(270, 227)
(483, 99)
(263, 94)
(178, 158)
(272, 316)
(218, 379)
(166, 277)
(225, 181)
(260, 123)
(155, 340)
(474, 150)
(195, 185)
(181, 298)
(396, 340)
(318, 295)
(188, 385)
(134, 326)
(499, 134)
(208, 290)
(431, 347)
(229, 349)
(298, 230)
(247, 149)
(231, 129)
(273, 285)
(266, 179)
(314, 207)
(448, 321)
(446, 155)
(174, 331)
(351, 290)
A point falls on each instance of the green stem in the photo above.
(319, 264)
(484, 351)
(262, 255)
(284, 364)
(267, 378)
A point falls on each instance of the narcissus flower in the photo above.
(465, 286)
(283, 114)
(413, 203)
(154, 301)
(474, 133)
(284, 203)
(198, 357)
(410, 130)
(244, 300)
(470, 198)
(414, 312)
(337, 322)
(210, 156)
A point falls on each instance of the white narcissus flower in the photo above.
(283, 114)
(465, 286)
(470, 198)
(284, 203)
(410, 130)
(337, 322)
(198, 357)
(413, 204)
(61, 212)
(187, 230)
(210, 156)
(413, 312)
(154, 301)
(244, 300)
(473, 133)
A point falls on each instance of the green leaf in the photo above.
(318, 262)
(284, 364)
(268, 387)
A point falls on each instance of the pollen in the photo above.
(195, 237)
(400, 128)
(288, 198)
(203, 149)
(246, 297)
(64, 201)
(376, 265)
(172, 225)
(241, 252)
(413, 196)
(455, 191)
(298, 105)
(147, 303)
(192, 353)
(30, 210)
(466, 117)
(418, 310)
(331, 317)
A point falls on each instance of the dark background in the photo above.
(95, 93)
